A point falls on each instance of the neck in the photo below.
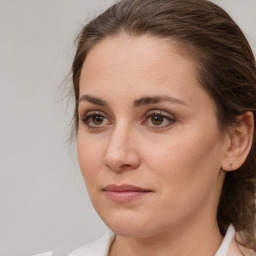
(187, 240)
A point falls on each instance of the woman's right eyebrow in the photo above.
(94, 100)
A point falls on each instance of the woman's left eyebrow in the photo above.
(157, 99)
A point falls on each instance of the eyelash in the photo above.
(157, 113)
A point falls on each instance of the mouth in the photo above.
(124, 193)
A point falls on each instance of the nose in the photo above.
(122, 153)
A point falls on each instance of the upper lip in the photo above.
(125, 187)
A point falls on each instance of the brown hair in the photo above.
(226, 70)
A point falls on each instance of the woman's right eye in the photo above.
(95, 120)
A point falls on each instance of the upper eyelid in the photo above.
(94, 112)
(169, 117)
(160, 112)
(83, 109)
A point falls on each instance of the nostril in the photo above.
(124, 166)
(118, 166)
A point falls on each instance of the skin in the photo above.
(179, 160)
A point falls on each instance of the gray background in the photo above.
(43, 201)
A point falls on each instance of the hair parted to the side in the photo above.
(226, 69)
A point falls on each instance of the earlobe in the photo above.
(240, 142)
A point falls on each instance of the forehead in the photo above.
(128, 65)
(129, 56)
(135, 50)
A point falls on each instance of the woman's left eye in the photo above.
(159, 120)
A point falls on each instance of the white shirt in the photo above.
(100, 247)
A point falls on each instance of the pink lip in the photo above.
(124, 193)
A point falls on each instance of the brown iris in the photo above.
(157, 120)
(97, 120)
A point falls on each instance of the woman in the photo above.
(164, 120)
(165, 111)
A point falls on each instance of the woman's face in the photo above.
(148, 142)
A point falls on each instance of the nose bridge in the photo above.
(120, 136)
(121, 151)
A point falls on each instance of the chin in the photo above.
(126, 223)
(129, 224)
(134, 231)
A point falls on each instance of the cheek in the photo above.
(177, 153)
(184, 178)
(89, 156)
(185, 163)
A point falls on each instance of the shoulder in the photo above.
(99, 247)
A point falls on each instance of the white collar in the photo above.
(223, 249)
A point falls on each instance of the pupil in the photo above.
(157, 120)
(98, 119)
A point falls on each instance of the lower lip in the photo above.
(125, 196)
